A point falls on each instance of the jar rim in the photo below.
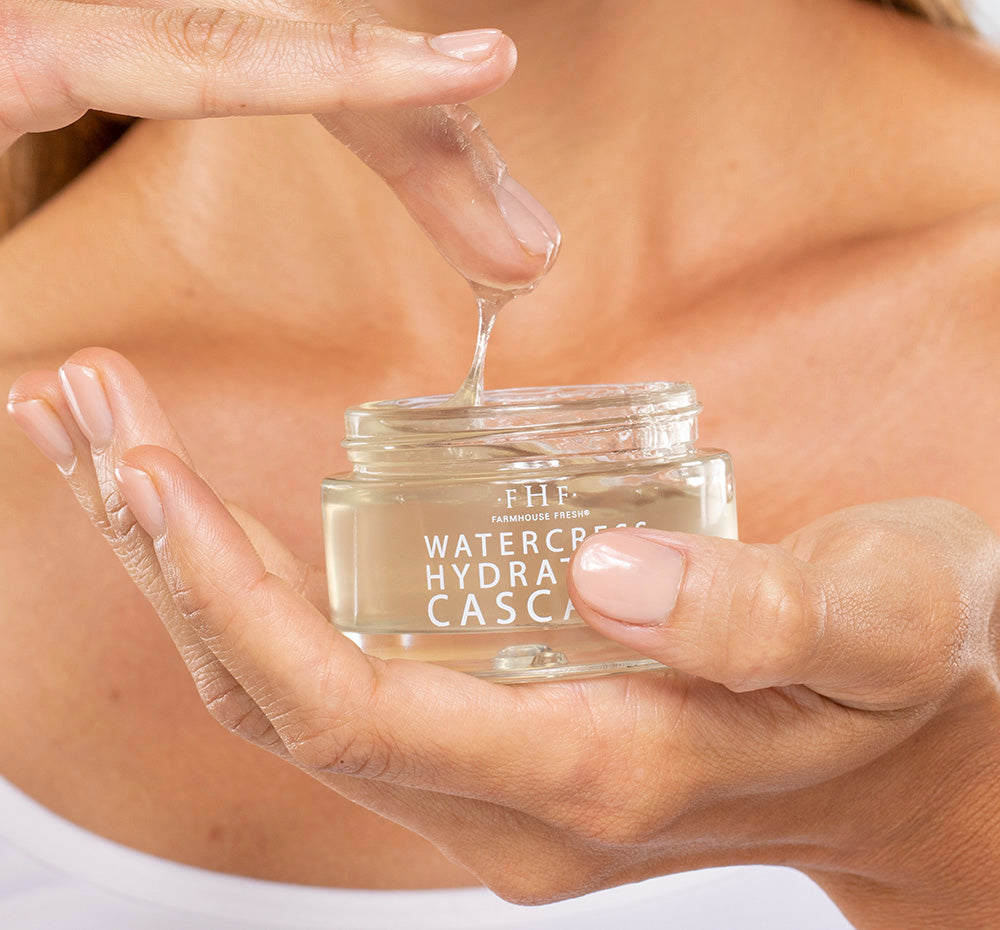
(543, 405)
(523, 428)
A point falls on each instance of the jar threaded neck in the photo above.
(522, 428)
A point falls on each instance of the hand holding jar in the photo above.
(831, 704)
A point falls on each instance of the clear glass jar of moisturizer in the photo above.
(449, 541)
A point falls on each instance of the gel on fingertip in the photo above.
(532, 225)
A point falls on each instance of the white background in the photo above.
(987, 15)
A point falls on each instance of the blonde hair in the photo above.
(39, 165)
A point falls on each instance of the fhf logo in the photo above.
(537, 495)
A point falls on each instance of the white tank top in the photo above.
(55, 875)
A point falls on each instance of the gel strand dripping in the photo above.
(490, 302)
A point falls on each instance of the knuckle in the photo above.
(141, 564)
(209, 41)
(335, 746)
(939, 629)
(121, 525)
(629, 808)
(129, 540)
(357, 42)
(230, 706)
(192, 604)
(637, 821)
(33, 95)
(209, 615)
(210, 36)
(346, 742)
(91, 503)
(772, 632)
(948, 584)
(349, 52)
(619, 797)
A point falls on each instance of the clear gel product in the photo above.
(489, 303)
(450, 539)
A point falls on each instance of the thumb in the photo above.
(865, 624)
(732, 613)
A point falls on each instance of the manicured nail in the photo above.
(532, 225)
(471, 45)
(85, 394)
(43, 427)
(628, 578)
(142, 498)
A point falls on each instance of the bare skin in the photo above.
(823, 263)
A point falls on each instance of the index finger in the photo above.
(166, 63)
(391, 96)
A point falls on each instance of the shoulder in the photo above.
(912, 116)
(942, 119)
(936, 284)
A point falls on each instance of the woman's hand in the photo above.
(393, 97)
(167, 60)
(832, 704)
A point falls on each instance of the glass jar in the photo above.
(450, 540)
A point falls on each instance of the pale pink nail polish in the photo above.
(43, 427)
(472, 45)
(531, 224)
(628, 578)
(85, 394)
(142, 498)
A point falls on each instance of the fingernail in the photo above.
(142, 498)
(627, 577)
(532, 225)
(470, 45)
(85, 394)
(43, 427)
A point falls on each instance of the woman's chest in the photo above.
(808, 434)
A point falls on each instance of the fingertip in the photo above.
(143, 498)
(184, 504)
(165, 468)
(93, 381)
(85, 393)
(470, 45)
(41, 424)
(530, 223)
(502, 64)
(33, 385)
(115, 369)
(507, 51)
(476, 62)
(626, 578)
